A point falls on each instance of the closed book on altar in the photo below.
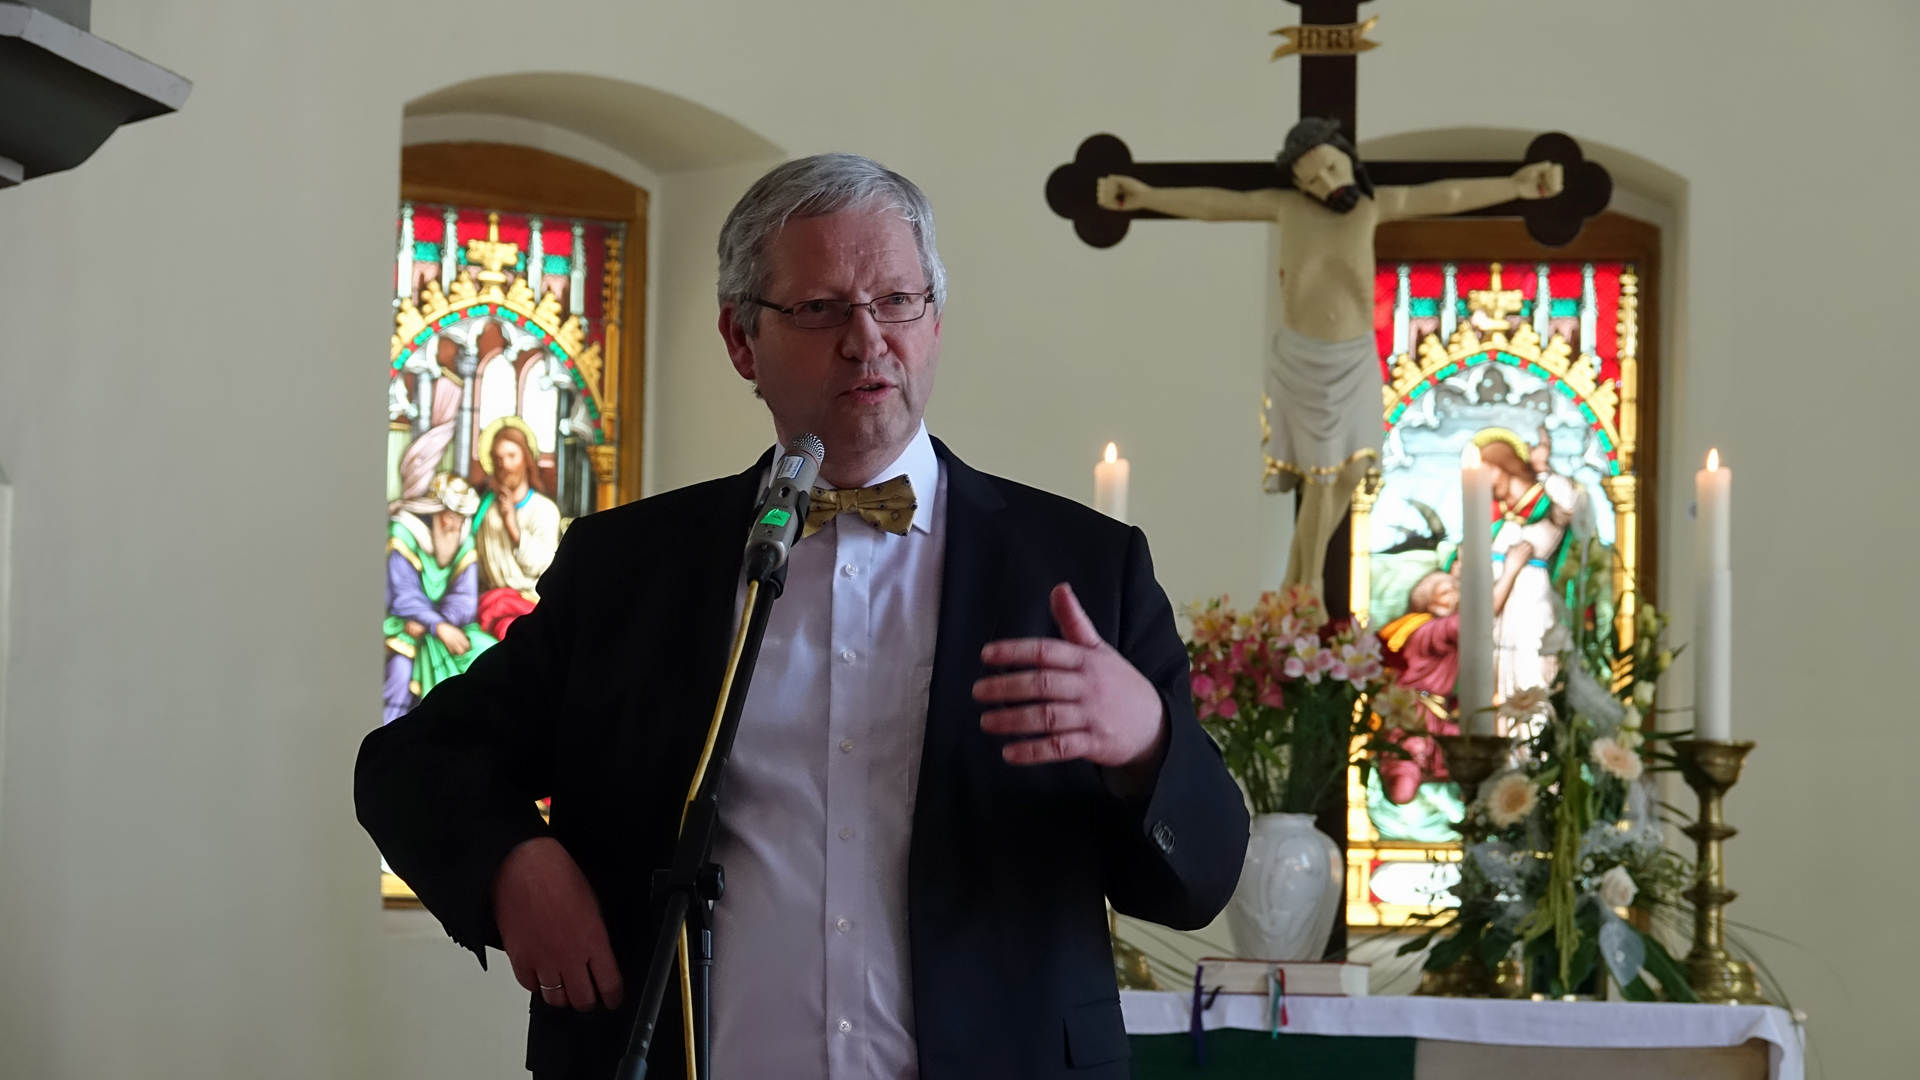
(1314, 977)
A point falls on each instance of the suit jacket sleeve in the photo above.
(448, 789)
(1176, 856)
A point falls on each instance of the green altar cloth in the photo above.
(1233, 1054)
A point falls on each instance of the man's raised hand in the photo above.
(1077, 698)
(551, 928)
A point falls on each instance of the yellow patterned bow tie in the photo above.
(888, 505)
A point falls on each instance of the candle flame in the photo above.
(1113, 453)
(1713, 460)
(1470, 459)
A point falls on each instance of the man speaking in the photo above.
(970, 724)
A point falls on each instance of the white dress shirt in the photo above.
(811, 975)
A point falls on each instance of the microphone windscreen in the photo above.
(809, 445)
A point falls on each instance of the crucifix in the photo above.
(1323, 418)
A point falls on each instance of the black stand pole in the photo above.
(688, 889)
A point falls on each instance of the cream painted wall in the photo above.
(183, 891)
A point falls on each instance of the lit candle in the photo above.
(1474, 684)
(1713, 628)
(1110, 484)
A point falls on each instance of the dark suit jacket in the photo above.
(601, 697)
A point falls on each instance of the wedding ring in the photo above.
(555, 986)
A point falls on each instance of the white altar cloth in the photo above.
(1594, 1024)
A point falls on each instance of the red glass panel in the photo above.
(1427, 280)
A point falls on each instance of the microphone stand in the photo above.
(688, 889)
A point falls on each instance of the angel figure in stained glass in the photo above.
(433, 592)
(1537, 505)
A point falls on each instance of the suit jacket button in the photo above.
(1163, 836)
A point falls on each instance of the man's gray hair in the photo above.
(815, 187)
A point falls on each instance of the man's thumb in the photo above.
(1074, 624)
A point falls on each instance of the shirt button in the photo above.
(850, 570)
(844, 925)
(847, 656)
(846, 834)
(845, 1025)
(846, 746)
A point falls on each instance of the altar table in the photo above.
(1427, 1038)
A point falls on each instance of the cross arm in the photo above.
(1554, 222)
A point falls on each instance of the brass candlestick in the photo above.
(1473, 758)
(1710, 768)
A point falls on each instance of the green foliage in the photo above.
(1537, 879)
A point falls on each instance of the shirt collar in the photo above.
(922, 468)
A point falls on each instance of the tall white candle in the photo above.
(1713, 627)
(1474, 684)
(1110, 484)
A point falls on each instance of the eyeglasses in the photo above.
(826, 314)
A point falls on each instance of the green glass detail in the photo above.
(426, 251)
(556, 264)
(777, 518)
(1568, 308)
(1423, 307)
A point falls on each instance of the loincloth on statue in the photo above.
(1321, 421)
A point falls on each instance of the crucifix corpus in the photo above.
(1323, 379)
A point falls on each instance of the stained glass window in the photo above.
(496, 432)
(499, 426)
(1535, 365)
(514, 393)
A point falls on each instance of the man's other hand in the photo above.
(1079, 698)
(551, 927)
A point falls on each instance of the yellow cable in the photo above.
(720, 706)
(693, 790)
(686, 1008)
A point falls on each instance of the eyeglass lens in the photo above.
(894, 308)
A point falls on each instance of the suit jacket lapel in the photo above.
(970, 592)
(712, 540)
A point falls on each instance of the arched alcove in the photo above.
(525, 301)
(662, 132)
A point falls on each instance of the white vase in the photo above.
(1290, 890)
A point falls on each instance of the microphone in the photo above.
(783, 509)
